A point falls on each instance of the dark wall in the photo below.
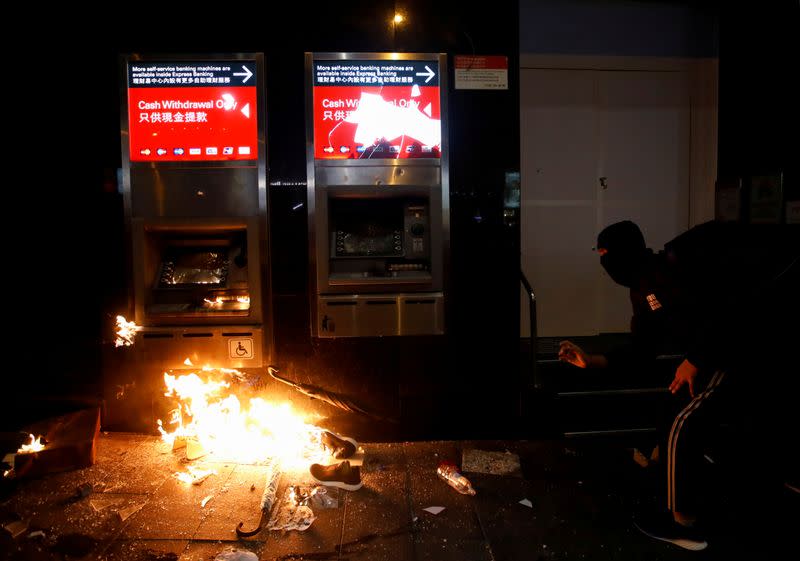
(660, 28)
(70, 126)
(758, 101)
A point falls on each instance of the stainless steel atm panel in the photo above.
(377, 193)
(195, 192)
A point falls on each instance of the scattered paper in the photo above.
(205, 501)
(126, 513)
(36, 534)
(526, 502)
(194, 475)
(293, 512)
(495, 463)
(434, 509)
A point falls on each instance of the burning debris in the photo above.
(126, 332)
(210, 418)
(194, 475)
(35, 445)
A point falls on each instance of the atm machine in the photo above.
(377, 193)
(195, 195)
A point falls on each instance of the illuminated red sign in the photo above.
(376, 109)
(203, 111)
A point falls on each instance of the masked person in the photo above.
(718, 292)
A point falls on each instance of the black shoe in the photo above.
(341, 475)
(663, 527)
(340, 447)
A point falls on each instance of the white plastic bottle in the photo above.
(449, 472)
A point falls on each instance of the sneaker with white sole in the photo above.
(341, 475)
(340, 447)
(662, 526)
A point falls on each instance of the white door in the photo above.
(578, 126)
(558, 199)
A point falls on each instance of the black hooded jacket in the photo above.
(717, 293)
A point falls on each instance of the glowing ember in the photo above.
(35, 445)
(209, 412)
(126, 332)
(243, 299)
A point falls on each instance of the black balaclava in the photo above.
(625, 254)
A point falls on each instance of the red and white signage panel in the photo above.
(201, 111)
(376, 109)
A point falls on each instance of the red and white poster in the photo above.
(480, 72)
(376, 109)
(202, 111)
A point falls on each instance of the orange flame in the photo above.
(126, 332)
(209, 412)
(35, 445)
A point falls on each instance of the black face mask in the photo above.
(625, 252)
(623, 267)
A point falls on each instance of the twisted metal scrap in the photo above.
(328, 397)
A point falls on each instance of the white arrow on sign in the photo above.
(430, 74)
(246, 110)
(246, 74)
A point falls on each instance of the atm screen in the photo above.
(192, 111)
(376, 109)
(194, 267)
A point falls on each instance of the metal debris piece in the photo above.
(15, 528)
(126, 513)
(100, 503)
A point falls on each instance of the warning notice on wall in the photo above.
(481, 72)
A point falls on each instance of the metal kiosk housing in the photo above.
(378, 227)
(179, 216)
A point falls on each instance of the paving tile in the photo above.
(143, 469)
(174, 510)
(322, 537)
(144, 550)
(378, 517)
(234, 503)
(454, 533)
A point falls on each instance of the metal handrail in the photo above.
(532, 312)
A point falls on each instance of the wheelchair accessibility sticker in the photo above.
(240, 348)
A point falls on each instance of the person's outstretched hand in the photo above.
(573, 354)
(685, 374)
